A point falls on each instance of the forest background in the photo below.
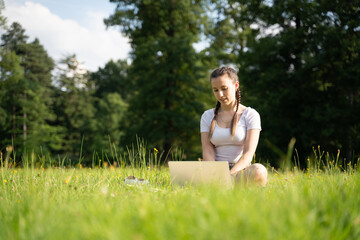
(297, 61)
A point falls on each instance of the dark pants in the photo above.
(231, 165)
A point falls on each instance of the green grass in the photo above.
(75, 203)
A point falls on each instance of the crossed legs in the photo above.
(254, 174)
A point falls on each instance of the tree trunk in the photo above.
(13, 135)
(24, 129)
(24, 124)
(349, 138)
(168, 104)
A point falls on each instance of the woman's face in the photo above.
(224, 90)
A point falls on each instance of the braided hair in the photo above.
(233, 76)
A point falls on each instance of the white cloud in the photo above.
(92, 44)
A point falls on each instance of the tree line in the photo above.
(297, 61)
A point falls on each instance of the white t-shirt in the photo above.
(226, 148)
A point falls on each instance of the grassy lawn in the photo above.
(74, 203)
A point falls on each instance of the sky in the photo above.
(67, 27)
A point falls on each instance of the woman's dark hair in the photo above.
(232, 74)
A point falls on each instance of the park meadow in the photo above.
(40, 200)
(65, 128)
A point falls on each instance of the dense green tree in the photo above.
(112, 78)
(39, 98)
(15, 38)
(2, 18)
(14, 85)
(111, 91)
(29, 98)
(74, 106)
(11, 74)
(226, 32)
(166, 106)
(109, 123)
(303, 75)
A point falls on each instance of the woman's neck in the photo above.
(228, 108)
(232, 108)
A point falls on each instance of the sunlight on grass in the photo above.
(48, 199)
(58, 203)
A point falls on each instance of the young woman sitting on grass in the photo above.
(231, 131)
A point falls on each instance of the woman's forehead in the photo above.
(221, 81)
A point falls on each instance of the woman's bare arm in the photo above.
(251, 142)
(207, 147)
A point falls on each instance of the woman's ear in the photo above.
(236, 85)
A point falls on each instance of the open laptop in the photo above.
(200, 172)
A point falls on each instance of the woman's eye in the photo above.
(215, 90)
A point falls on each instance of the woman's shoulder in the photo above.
(250, 112)
(252, 118)
(208, 113)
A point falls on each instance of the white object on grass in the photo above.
(132, 180)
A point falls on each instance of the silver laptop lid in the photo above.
(200, 172)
